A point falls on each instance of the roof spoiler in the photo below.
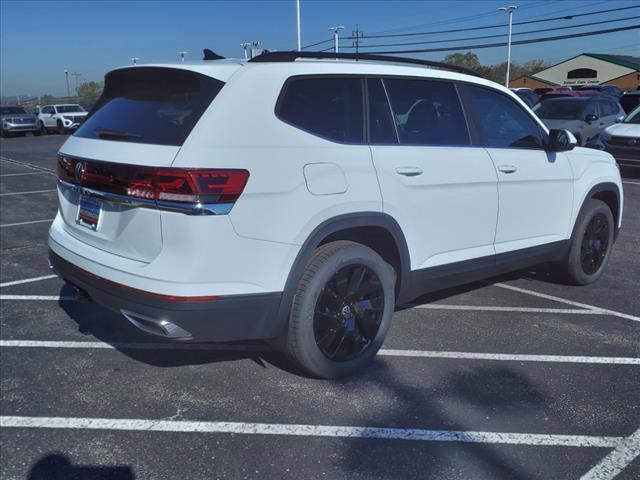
(294, 55)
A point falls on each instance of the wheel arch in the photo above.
(609, 193)
(376, 230)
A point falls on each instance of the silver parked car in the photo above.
(16, 120)
(585, 117)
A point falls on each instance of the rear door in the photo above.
(535, 187)
(440, 188)
(142, 119)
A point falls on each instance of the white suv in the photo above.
(61, 118)
(299, 200)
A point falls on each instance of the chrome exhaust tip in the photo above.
(155, 326)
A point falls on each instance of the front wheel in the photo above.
(591, 243)
(61, 129)
(341, 310)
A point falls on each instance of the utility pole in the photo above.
(77, 75)
(245, 46)
(509, 10)
(298, 36)
(182, 55)
(335, 31)
(357, 35)
(135, 60)
(66, 74)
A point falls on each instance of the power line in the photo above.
(564, 17)
(500, 34)
(502, 44)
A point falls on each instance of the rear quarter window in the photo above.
(150, 105)
(329, 107)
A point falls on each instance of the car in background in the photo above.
(622, 140)
(543, 90)
(17, 121)
(603, 89)
(527, 95)
(630, 101)
(61, 118)
(585, 117)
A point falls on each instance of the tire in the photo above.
(61, 130)
(341, 310)
(591, 243)
(43, 130)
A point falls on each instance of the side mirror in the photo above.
(619, 118)
(590, 118)
(561, 141)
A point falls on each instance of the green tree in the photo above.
(89, 92)
(467, 60)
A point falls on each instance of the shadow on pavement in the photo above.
(59, 467)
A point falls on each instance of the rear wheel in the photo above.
(61, 129)
(591, 241)
(341, 310)
(43, 130)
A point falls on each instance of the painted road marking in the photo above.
(27, 223)
(27, 193)
(54, 298)
(632, 183)
(27, 280)
(617, 460)
(20, 174)
(568, 302)
(489, 308)
(28, 165)
(310, 431)
(260, 348)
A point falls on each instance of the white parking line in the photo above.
(259, 348)
(28, 165)
(26, 223)
(617, 460)
(27, 193)
(568, 302)
(489, 308)
(27, 280)
(310, 431)
(632, 183)
(20, 174)
(53, 298)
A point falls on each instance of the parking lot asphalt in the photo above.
(519, 377)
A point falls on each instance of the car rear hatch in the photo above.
(115, 171)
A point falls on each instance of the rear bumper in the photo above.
(225, 319)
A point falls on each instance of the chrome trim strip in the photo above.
(198, 209)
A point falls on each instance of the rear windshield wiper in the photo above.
(103, 133)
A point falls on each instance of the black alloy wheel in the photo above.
(595, 243)
(348, 313)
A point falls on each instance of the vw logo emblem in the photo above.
(79, 171)
(346, 311)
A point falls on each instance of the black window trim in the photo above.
(293, 78)
(461, 86)
(474, 115)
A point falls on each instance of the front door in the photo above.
(535, 187)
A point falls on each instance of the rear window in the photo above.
(150, 105)
(329, 107)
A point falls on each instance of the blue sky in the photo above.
(38, 40)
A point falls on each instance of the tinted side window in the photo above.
(328, 107)
(591, 109)
(502, 122)
(381, 128)
(427, 112)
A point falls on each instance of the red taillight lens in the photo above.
(184, 185)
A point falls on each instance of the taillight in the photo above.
(181, 185)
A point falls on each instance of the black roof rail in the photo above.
(293, 55)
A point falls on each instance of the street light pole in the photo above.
(510, 9)
(335, 31)
(66, 74)
(299, 38)
(182, 55)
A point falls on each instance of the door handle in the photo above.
(409, 171)
(507, 168)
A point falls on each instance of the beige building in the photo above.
(623, 71)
